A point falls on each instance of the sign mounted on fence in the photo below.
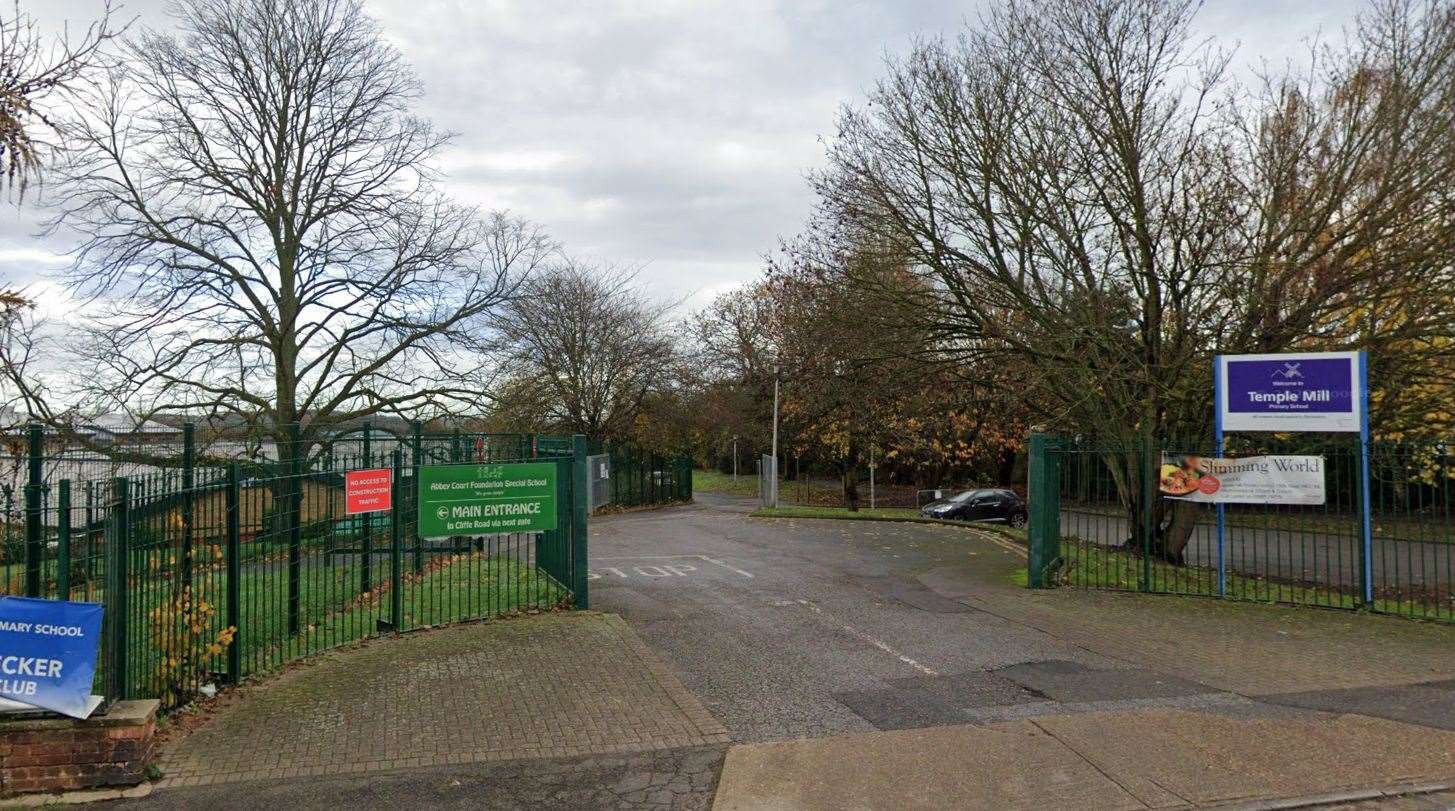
(1311, 391)
(48, 654)
(1249, 480)
(486, 499)
(367, 491)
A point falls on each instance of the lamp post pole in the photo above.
(774, 492)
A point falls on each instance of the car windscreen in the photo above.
(961, 498)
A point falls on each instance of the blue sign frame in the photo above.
(1331, 411)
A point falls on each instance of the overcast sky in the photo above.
(674, 134)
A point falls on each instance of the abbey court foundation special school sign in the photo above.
(486, 499)
(1312, 391)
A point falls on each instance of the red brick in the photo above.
(51, 755)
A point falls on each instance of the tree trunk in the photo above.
(1180, 524)
(851, 488)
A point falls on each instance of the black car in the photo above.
(1002, 506)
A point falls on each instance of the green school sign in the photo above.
(486, 499)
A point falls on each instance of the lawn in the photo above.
(844, 514)
(333, 608)
(900, 514)
(1413, 526)
(1086, 565)
(711, 481)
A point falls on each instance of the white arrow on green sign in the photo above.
(478, 499)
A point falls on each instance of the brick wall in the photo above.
(62, 754)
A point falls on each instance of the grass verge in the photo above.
(711, 481)
(905, 515)
(1087, 565)
(333, 609)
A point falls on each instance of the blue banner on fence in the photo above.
(48, 653)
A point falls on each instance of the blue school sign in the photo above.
(48, 653)
(1295, 393)
(1315, 391)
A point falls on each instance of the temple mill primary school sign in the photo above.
(1311, 391)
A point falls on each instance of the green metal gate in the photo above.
(212, 573)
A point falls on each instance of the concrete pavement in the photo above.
(859, 644)
(1105, 760)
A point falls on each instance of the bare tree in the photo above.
(1093, 204)
(33, 68)
(585, 348)
(262, 233)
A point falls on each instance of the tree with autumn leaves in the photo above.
(1089, 202)
(1060, 216)
(855, 381)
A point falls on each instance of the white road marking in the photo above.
(730, 568)
(713, 561)
(872, 640)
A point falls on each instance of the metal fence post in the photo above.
(1147, 481)
(366, 526)
(580, 509)
(396, 547)
(34, 483)
(295, 531)
(1044, 530)
(189, 481)
(233, 554)
(412, 495)
(118, 555)
(92, 536)
(63, 540)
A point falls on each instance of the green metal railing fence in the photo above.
(642, 478)
(1096, 523)
(211, 572)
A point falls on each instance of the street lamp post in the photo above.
(773, 493)
(871, 477)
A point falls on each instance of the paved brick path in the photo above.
(553, 686)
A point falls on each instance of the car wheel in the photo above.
(1018, 520)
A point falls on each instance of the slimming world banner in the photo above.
(1247, 480)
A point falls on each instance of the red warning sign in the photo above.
(367, 491)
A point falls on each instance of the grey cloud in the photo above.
(674, 133)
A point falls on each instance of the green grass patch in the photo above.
(711, 481)
(333, 607)
(1086, 565)
(844, 514)
(896, 514)
(1411, 527)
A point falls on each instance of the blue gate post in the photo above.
(580, 509)
(1044, 530)
(1218, 441)
(1366, 512)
